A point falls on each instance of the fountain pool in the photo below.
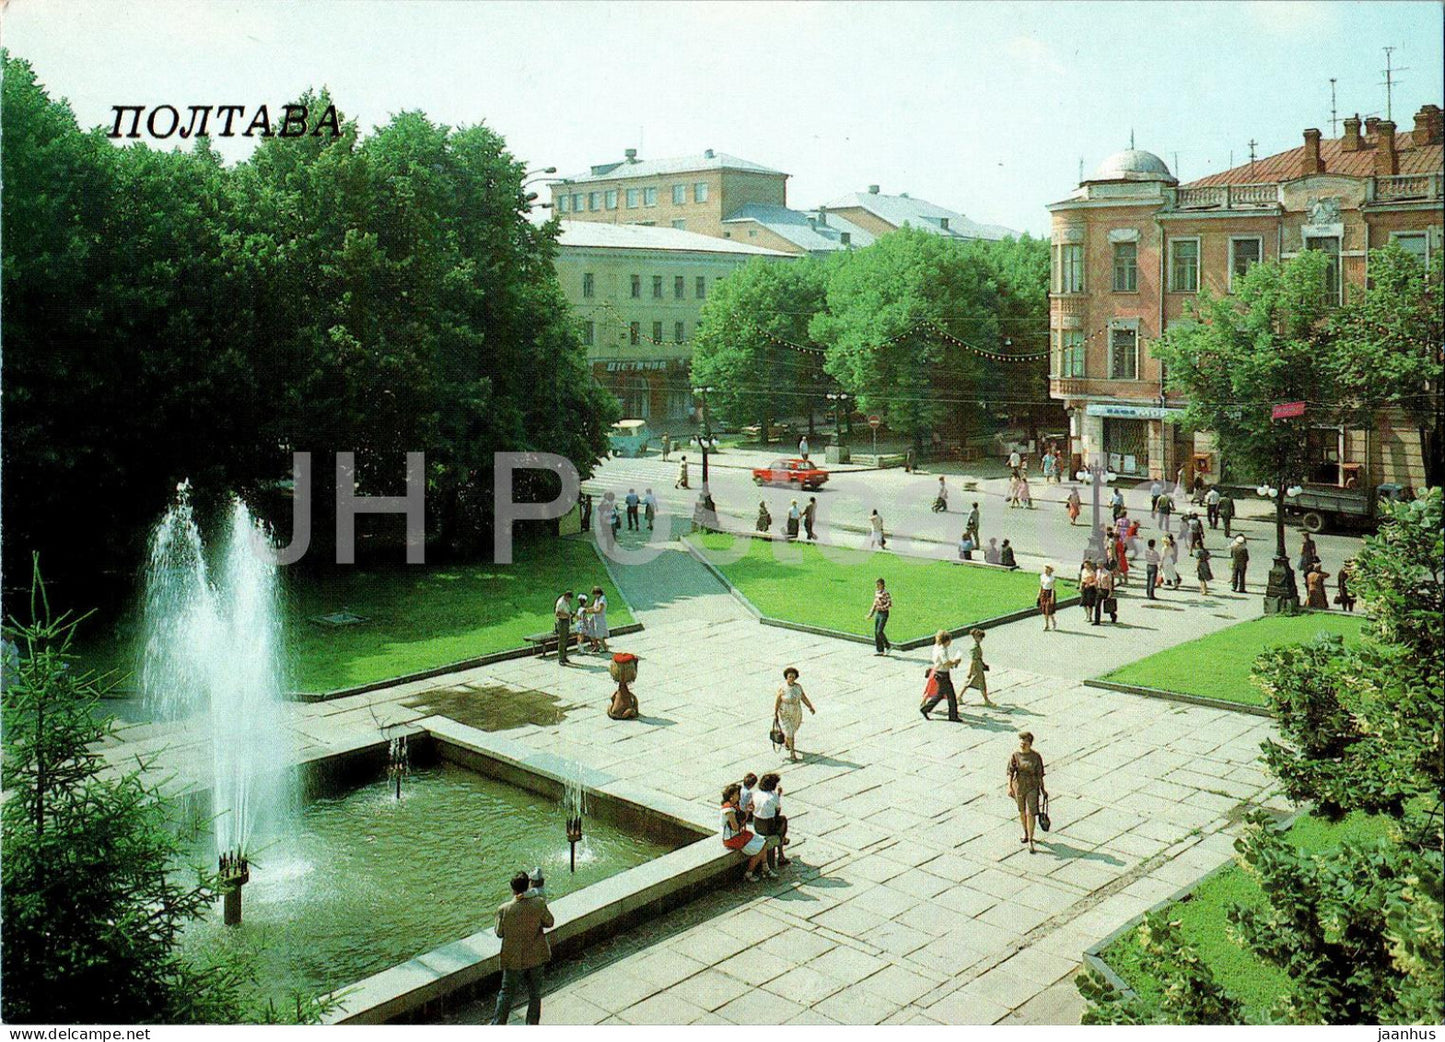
(363, 881)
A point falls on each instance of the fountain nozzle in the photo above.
(235, 872)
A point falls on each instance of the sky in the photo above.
(985, 108)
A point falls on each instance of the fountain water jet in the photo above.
(212, 661)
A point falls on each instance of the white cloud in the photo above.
(1035, 54)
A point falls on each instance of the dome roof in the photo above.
(1133, 164)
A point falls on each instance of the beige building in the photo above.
(638, 292)
(1132, 247)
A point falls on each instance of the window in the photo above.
(699, 192)
(589, 284)
(680, 224)
(1071, 354)
(649, 197)
(611, 198)
(589, 332)
(1184, 265)
(1330, 246)
(1243, 255)
(594, 200)
(943, 223)
(679, 287)
(562, 201)
(637, 285)
(1126, 267)
(632, 196)
(576, 202)
(1123, 353)
(657, 287)
(1416, 244)
(701, 287)
(634, 333)
(679, 194)
(657, 332)
(846, 238)
(1071, 268)
(679, 332)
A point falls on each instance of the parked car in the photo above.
(798, 472)
(629, 437)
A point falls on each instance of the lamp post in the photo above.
(1097, 476)
(706, 441)
(532, 177)
(1281, 595)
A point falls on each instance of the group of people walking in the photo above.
(797, 518)
(938, 680)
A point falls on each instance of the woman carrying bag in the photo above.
(1026, 786)
(940, 681)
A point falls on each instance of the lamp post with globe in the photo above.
(1096, 475)
(1281, 595)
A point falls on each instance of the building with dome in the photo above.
(1131, 247)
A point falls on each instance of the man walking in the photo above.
(649, 508)
(810, 514)
(970, 523)
(681, 474)
(882, 605)
(1211, 507)
(666, 445)
(803, 446)
(632, 501)
(1151, 570)
(1239, 559)
(1164, 506)
(1116, 503)
(1226, 512)
(521, 924)
(562, 611)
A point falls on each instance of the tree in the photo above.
(1357, 930)
(1390, 341)
(885, 304)
(1268, 344)
(741, 346)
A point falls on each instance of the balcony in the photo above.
(1225, 197)
(1402, 188)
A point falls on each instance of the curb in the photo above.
(1178, 696)
(858, 638)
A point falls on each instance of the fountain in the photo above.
(398, 761)
(211, 661)
(574, 802)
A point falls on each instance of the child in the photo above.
(538, 886)
(583, 625)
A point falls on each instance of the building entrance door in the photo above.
(1126, 443)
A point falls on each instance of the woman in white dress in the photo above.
(600, 631)
(1169, 562)
(788, 709)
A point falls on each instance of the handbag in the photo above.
(1044, 822)
(1111, 606)
(930, 686)
(776, 736)
(739, 841)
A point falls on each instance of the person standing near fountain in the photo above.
(562, 612)
(522, 924)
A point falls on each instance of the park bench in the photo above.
(546, 642)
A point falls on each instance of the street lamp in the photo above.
(706, 441)
(532, 177)
(1281, 595)
(1097, 476)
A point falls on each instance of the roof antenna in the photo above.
(1390, 82)
(1252, 143)
(1334, 115)
(1131, 139)
(1176, 166)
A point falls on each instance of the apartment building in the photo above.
(638, 292)
(1131, 247)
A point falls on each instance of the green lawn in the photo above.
(1202, 920)
(797, 583)
(1217, 666)
(417, 618)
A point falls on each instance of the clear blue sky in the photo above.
(986, 108)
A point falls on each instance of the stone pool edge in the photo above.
(604, 908)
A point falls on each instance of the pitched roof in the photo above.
(903, 210)
(802, 229)
(1285, 166)
(645, 237)
(708, 160)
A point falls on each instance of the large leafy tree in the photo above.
(742, 347)
(1356, 930)
(1390, 340)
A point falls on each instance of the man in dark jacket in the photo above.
(521, 923)
(1226, 512)
(1239, 558)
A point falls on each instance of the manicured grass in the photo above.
(1203, 924)
(417, 618)
(797, 583)
(1218, 666)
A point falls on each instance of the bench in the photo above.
(546, 642)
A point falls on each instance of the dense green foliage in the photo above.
(1219, 665)
(167, 316)
(91, 917)
(1356, 931)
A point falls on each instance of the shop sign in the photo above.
(1131, 412)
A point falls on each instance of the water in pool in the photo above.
(368, 881)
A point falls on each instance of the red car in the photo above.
(798, 472)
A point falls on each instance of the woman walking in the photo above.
(795, 517)
(1204, 571)
(1072, 506)
(1088, 588)
(1106, 602)
(765, 519)
(736, 837)
(1025, 496)
(1343, 597)
(876, 538)
(1308, 555)
(944, 660)
(788, 710)
(977, 668)
(600, 630)
(1025, 784)
(1169, 563)
(1048, 598)
(1315, 586)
